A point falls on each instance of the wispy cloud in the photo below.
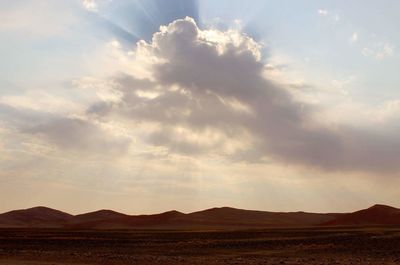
(323, 12)
(354, 38)
(379, 51)
(332, 16)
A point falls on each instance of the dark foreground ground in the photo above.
(273, 246)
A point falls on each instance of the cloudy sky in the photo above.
(144, 106)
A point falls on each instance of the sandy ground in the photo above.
(22, 262)
(274, 246)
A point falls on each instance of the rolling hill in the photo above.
(375, 215)
(35, 217)
(214, 218)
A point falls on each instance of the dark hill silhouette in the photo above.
(214, 218)
(96, 219)
(376, 215)
(35, 217)
(122, 221)
(238, 217)
(98, 215)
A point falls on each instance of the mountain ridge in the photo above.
(212, 218)
(377, 214)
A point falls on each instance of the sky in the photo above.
(144, 106)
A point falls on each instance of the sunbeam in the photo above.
(277, 105)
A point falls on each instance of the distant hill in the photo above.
(35, 217)
(114, 220)
(375, 215)
(98, 215)
(215, 218)
(226, 216)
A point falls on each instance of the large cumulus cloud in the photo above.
(207, 94)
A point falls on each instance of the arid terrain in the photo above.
(222, 218)
(367, 245)
(41, 235)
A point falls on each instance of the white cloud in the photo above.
(379, 51)
(210, 84)
(38, 100)
(354, 38)
(323, 12)
(330, 16)
(90, 5)
(390, 110)
(206, 94)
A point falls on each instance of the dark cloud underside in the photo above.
(222, 90)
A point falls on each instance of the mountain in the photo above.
(227, 216)
(114, 220)
(375, 215)
(214, 218)
(98, 215)
(96, 219)
(35, 217)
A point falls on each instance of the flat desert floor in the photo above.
(272, 246)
